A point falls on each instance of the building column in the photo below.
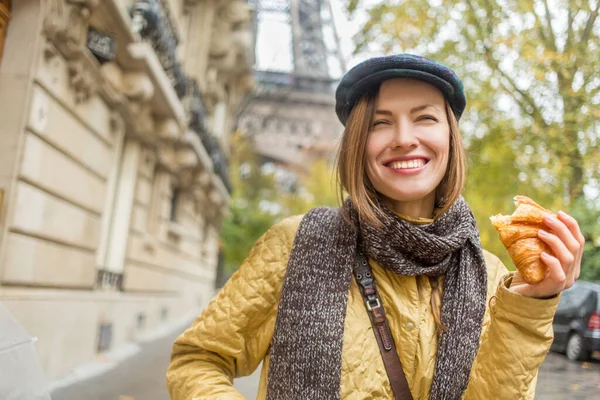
(117, 233)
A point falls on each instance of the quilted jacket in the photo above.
(232, 336)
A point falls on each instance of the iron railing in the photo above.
(152, 21)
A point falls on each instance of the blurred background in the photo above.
(145, 145)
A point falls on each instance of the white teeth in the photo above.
(417, 163)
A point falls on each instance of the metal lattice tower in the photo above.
(291, 117)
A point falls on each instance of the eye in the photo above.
(427, 118)
(380, 122)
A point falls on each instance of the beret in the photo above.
(368, 75)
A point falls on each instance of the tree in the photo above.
(262, 197)
(588, 215)
(532, 60)
(250, 214)
(317, 188)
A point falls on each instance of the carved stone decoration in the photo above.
(166, 157)
(231, 58)
(186, 179)
(229, 16)
(117, 125)
(83, 81)
(215, 90)
(204, 179)
(187, 159)
(168, 130)
(215, 197)
(66, 24)
(137, 86)
(144, 121)
(113, 76)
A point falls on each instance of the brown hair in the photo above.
(352, 176)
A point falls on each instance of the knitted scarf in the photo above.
(306, 352)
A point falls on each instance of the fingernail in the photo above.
(545, 255)
(551, 219)
(542, 233)
(562, 213)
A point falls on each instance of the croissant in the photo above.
(519, 234)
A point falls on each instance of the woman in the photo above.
(462, 325)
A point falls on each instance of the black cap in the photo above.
(368, 75)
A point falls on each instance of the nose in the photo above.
(404, 137)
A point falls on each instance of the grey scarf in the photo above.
(306, 352)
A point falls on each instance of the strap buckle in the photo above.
(370, 306)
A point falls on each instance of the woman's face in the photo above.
(409, 142)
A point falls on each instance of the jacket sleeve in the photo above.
(516, 337)
(232, 336)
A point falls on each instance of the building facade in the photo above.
(114, 117)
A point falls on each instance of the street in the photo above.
(142, 377)
(561, 379)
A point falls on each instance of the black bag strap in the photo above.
(387, 347)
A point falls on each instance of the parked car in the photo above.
(577, 321)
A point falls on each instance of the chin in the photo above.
(403, 197)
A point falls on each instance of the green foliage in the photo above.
(317, 188)
(259, 201)
(247, 220)
(588, 215)
(533, 92)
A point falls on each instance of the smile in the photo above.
(407, 167)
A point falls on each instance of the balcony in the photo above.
(152, 22)
(197, 124)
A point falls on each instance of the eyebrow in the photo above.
(423, 107)
(412, 110)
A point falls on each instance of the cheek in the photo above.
(441, 144)
(372, 151)
(374, 147)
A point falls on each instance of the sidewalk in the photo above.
(140, 376)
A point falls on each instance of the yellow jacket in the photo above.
(232, 336)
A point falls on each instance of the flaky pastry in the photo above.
(519, 234)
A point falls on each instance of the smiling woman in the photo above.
(312, 300)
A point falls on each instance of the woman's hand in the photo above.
(566, 242)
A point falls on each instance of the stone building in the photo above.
(113, 169)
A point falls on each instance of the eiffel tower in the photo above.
(291, 118)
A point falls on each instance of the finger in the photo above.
(563, 232)
(559, 249)
(555, 281)
(573, 226)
